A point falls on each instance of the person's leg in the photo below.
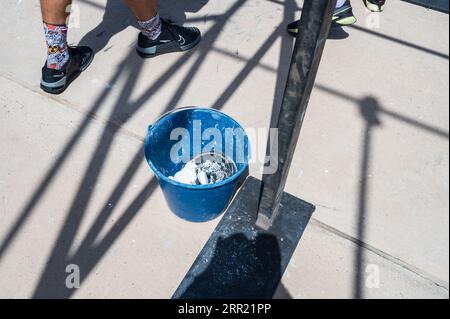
(54, 16)
(157, 35)
(146, 13)
(54, 11)
(63, 64)
(144, 10)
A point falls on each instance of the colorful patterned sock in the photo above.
(58, 52)
(151, 28)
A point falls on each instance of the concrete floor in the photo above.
(373, 154)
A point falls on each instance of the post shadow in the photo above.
(240, 267)
(282, 292)
(241, 260)
(370, 112)
(117, 17)
(260, 277)
(401, 42)
(337, 32)
(85, 256)
(438, 5)
(175, 10)
(130, 60)
(88, 254)
(52, 281)
(58, 163)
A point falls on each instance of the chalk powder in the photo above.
(205, 169)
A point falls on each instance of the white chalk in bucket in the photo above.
(188, 175)
(203, 178)
(206, 169)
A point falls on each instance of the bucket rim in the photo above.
(162, 176)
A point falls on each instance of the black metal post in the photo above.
(240, 260)
(313, 31)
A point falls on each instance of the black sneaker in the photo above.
(173, 38)
(375, 5)
(56, 81)
(342, 16)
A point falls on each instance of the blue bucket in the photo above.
(182, 135)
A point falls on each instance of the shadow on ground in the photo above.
(239, 267)
(52, 281)
(242, 260)
(117, 17)
(51, 284)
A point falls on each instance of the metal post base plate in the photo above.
(241, 260)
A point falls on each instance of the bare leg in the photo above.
(54, 11)
(144, 10)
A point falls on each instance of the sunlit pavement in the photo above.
(373, 154)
